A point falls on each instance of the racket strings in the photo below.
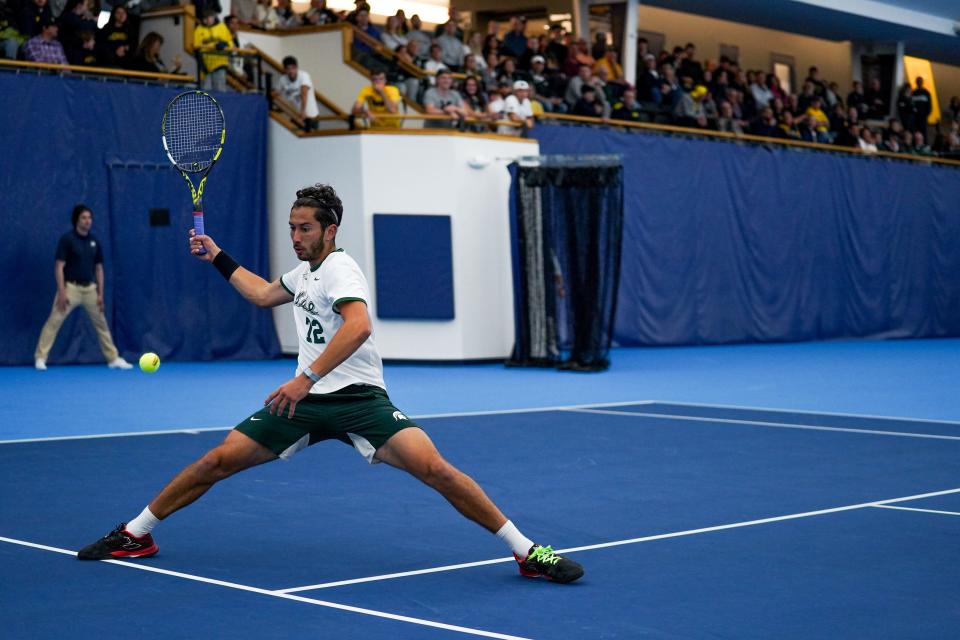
(193, 131)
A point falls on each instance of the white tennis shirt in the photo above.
(317, 295)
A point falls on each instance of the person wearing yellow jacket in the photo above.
(210, 35)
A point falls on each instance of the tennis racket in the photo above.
(194, 131)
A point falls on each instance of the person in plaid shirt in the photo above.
(45, 47)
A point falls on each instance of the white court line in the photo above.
(807, 413)
(617, 543)
(758, 423)
(461, 414)
(276, 594)
(946, 513)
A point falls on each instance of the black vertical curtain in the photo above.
(567, 224)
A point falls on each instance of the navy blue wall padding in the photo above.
(741, 243)
(69, 140)
(414, 267)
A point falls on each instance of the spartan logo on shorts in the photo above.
(398, 416)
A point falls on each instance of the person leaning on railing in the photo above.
(377, 99)
(296, 87)
(148, 58)
(443, 100)
(44, 47)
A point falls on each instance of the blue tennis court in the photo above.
(691, 521)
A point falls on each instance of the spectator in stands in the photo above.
(33, 15)
(857, 99)
(773, 83)
(470, 67)
(891, 144)
(833, 94)
(418, 35)
(363, 24)
(453, 16)
(867, 142)
(434, 64)
(689, 66)
(726, 120)
(209, 36)
(443, 100)
(451, 47)
(765, 124)
(609, 63)
(413, 54)
(44, 47)
(648, 83)
(87, 55)
(670, 90)
(391, 36)
(266, 16)
(148, 58)
(378, 99)
(246, 10)
(555, 47)
(497, 103)
(611, 90)
(489, 75)
(515, 41)
(202, 6)
(906, 109)
(508, 71)
(922, 106)
(819, 120)
(819, 87)
(953, 138)
(474, 99)
(876, 100)
(954, 109)
(474, 50)
(239, 66)
(761, 93)
(548, 86)
(518, 110)
(575, 85)
(287, 18)
(404, 27)
(116, 40)
(78, 269)
(296, 87)
(806, 97)
(533, 49)
(318, 13)
(838, 119)
(920, 147)
(10, 37)
(628, 108)
(491, 44)
(788, 126)
(689, 112)
(588, 105)
(76, 19)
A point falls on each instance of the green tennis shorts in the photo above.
(361, 416)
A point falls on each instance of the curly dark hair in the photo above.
(322, 198)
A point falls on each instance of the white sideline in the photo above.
(946, 513)
(758, 423)
(616, 543)
(277, 594)
(462, 414)
(802, 412)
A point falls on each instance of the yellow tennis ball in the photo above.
(149, 362)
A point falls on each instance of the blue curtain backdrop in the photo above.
(70, 140)
(740, 243)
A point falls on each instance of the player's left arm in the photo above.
(98, 272)
(353, 333)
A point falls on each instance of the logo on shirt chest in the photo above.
(305, 303)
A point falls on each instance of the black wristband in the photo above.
(225, 264)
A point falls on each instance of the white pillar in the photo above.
(630, 23)
(581, 18)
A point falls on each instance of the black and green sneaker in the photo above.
(542, 561)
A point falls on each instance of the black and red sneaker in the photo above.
(542, 561)
(119, 543)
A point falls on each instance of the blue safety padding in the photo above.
(69, 140)
(414, 267)
(731, 243)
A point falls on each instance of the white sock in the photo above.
(518, 543)
(143, 523)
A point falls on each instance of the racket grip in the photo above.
(198, 228)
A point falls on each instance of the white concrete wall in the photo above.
(320, 55)
(410, 174)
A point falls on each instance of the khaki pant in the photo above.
(77, 295)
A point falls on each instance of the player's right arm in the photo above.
(251, 286)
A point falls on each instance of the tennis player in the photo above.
(338, 393)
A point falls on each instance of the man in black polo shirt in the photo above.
(79, 272)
